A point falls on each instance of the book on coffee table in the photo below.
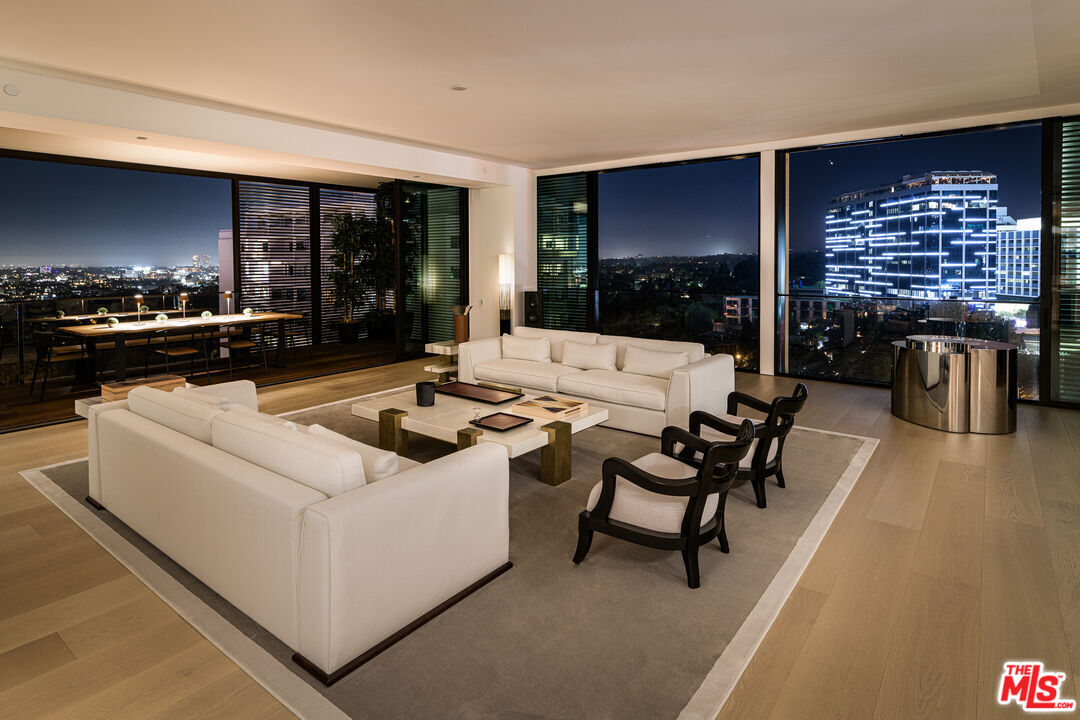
(551, 407)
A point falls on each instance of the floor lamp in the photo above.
(506, 282)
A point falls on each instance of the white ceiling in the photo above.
(561, 82)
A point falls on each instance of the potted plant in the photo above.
(364, 263)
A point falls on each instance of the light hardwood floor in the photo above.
(952, 554)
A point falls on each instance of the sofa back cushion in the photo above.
(588, 357)
(237, 392)
(175, 412)
(557, 338)
(655, 363)
(694, 351)
(378, 464)
(520, 348)
(313, 461)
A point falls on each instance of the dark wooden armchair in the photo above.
(663, 502)
(767, 451)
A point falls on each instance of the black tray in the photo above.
(501, 422)
(491, 396)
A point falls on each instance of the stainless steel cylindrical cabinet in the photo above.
(955, 384)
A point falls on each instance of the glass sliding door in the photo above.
(332, 203)
(1065, 265)
(275, 247)
(433, 262)
(936, 235)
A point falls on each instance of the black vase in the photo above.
(425, 394)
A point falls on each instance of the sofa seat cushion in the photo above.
(524, 373)
(636, 506)
(617, 387)
(378, 464)
(302, 457)
(711, 435)
(176, 412)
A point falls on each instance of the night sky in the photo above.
(696, 209)
(60, 213)
(710, 208)
(817, 176)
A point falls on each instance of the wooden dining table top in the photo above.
(151, 325)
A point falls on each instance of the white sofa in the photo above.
(644, 400)
(301, 531)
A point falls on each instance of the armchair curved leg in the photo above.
(585, 536)
(722, 537)
(780, 476)
(690, 560)
(759, 490)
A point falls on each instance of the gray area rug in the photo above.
(619, 636)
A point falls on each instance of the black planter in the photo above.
(348, 333)
(425, 394)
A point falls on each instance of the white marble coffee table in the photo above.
(448, 419)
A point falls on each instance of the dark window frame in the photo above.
(781, 240)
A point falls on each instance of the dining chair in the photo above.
(185, 343)
(51, 349)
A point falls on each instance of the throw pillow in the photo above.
(378, 464)
(589, 357)
(655, 363)
(518, 348)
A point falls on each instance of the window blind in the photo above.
(562, 250)
(1065, 372)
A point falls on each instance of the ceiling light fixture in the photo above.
(460, 87)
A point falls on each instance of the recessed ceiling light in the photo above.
(140, 137)
(460, 87)
(416, 176)
(11, 90)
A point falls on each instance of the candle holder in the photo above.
(228, 302)
(138, 309)
(183, 306)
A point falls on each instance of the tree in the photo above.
(363, 256)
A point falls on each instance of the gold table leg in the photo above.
(556, 463)
(467, 437)
(392, 436)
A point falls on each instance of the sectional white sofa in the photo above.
(645, 385)
(331, 545)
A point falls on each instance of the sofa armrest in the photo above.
(702, 385)
(475, 352)
(94, 413)
(376, 558)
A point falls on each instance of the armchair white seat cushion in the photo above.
(378, 464)
(634, 505)
(309, 460)
(711, 435)
(176, 412)
(527, 373)
(617, 387)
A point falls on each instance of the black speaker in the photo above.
(534, 311)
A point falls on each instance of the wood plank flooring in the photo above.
(951, 555)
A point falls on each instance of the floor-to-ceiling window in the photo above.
(678, 254)
(929, 235)
(667, 251)
(433, 228)
(1064, 266)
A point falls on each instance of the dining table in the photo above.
(87, 317)
(123, 333)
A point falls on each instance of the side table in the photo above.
(447, 350)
